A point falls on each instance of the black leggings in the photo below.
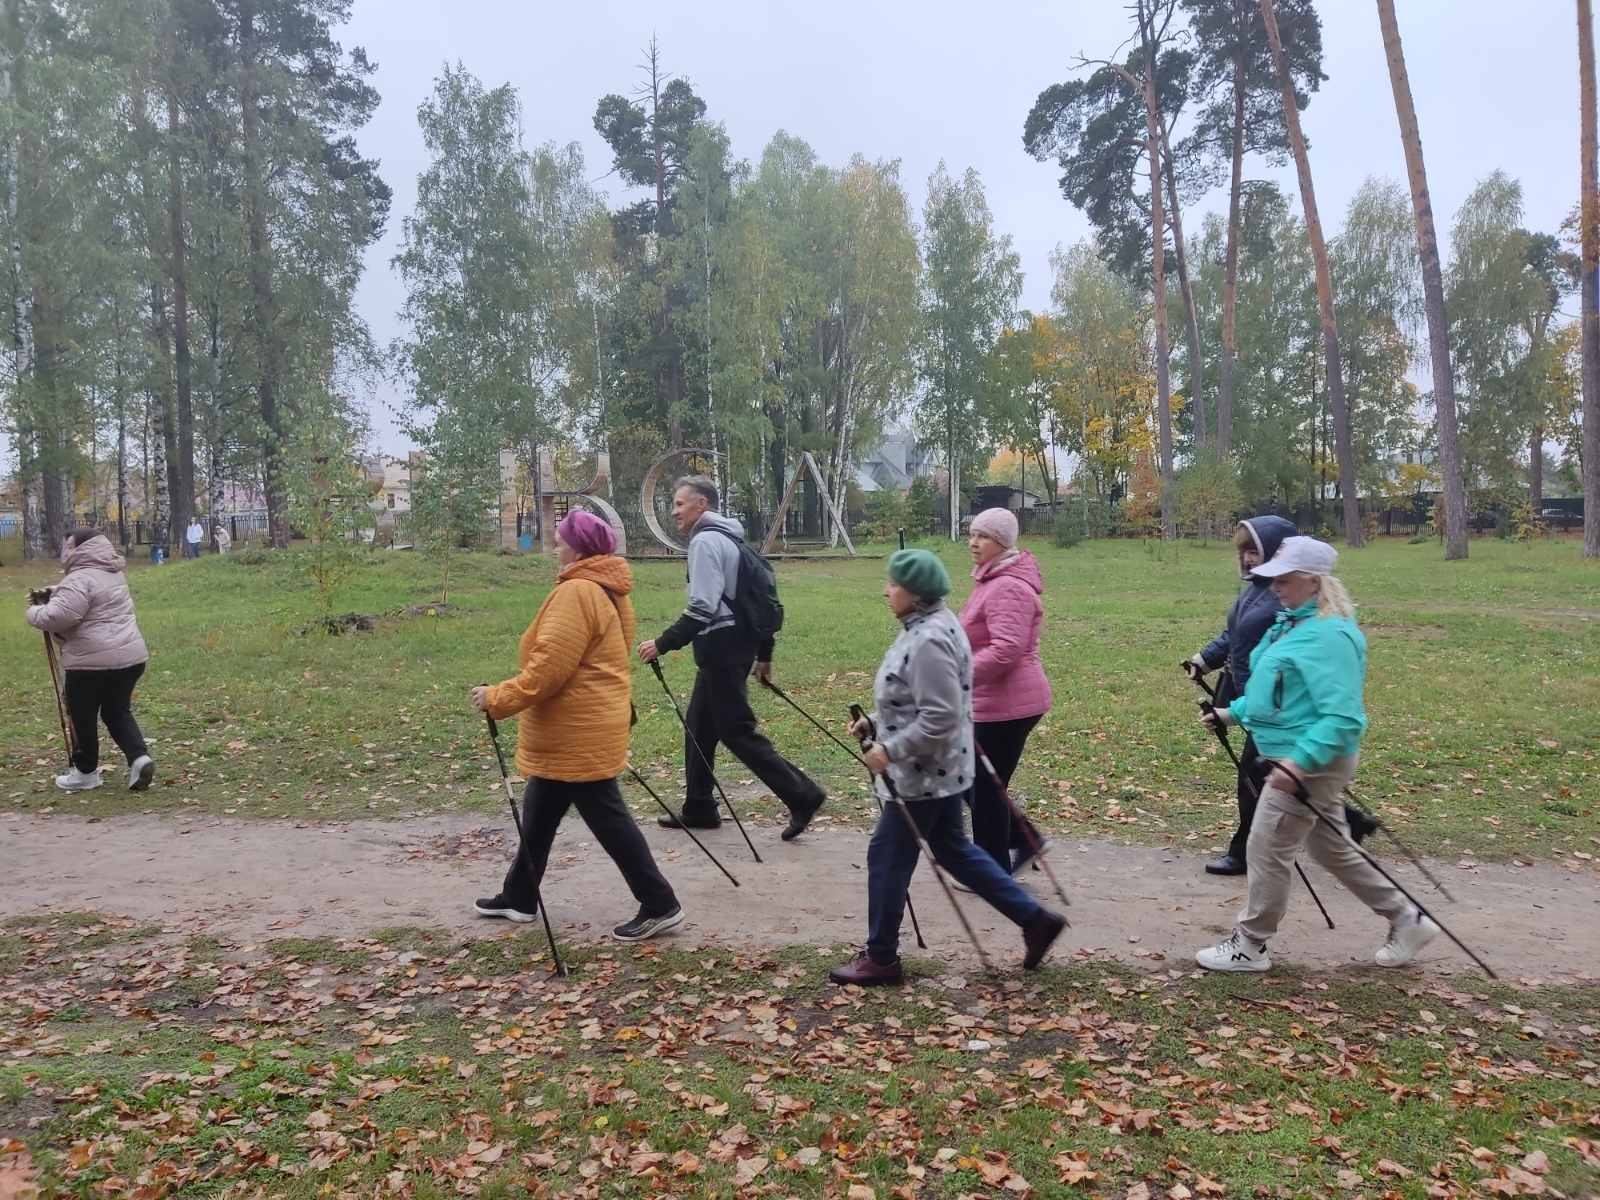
(992, 826)
(599, 803)
(94, 696)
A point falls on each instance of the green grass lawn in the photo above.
(409, 1064)
(1483, 689)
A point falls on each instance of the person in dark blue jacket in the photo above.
(1256, 540)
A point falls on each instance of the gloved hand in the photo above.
(1196, 667)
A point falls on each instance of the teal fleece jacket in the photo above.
(1303, 701)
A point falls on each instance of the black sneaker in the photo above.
(667, 821)
(1227, 865)
(498, 906)
(643, 928)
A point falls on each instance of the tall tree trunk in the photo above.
(1319, 254)
(121, 394)
(263, 308)
(163, 437)
(1158, 257)
(1444, 388)
(1191, 318)
(1536, 470)
(1590, 284)
(14, 46)
(1230, 271)
(182, 471)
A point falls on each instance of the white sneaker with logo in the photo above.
(1407, 937)
(1234, 953)
(76, 781)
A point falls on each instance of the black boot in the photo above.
(1228, 864)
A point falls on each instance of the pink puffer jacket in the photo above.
(91, 611)
(1003, 618)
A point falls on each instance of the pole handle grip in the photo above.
(494, 729)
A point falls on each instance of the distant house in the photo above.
(1002, 495)
(894, 463)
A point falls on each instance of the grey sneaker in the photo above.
(643, 928)
(140, 772)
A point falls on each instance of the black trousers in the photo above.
(1245, 789)
(599, 803)
(94, 696)
(719, 712)
(992, 827)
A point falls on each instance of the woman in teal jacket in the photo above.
(1303, 707)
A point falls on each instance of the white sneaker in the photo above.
(1407, 937)
(1234, 953)
(140, 772)
(76, 781)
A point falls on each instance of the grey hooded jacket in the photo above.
(923, 705)
(713, 583)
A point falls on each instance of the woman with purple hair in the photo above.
(574, 696)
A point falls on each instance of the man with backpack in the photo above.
(732, 620)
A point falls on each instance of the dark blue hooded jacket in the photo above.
(1252, 613)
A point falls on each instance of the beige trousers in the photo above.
(1283, 826)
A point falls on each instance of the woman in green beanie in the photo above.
(922, 723)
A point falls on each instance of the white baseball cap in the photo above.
(1303, 554)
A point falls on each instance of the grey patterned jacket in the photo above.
(923, 706)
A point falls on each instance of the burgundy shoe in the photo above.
(1039, 935)
(864, 972)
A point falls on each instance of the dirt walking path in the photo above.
(1148, 906)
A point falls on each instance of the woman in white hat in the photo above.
(1303, 706)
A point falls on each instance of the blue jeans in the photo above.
(892, 857)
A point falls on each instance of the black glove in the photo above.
(40, 595)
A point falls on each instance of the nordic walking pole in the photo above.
(1035, 842)
(68, 736)
(655, 665)
(856, 714)
(1222, 736)
(1379, 824)
(639, 779)
(1301, 795)
(522, 845)
(911, 911)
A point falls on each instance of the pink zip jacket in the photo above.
(1003, 618)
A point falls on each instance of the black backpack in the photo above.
(757, 611)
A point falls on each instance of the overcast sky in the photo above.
(1495, 83)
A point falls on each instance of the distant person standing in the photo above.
(224, 538)
(725, 654)
(193, 537)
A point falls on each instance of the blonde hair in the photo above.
(1243, 539)
(1333, 599)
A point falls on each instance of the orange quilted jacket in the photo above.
(574, 687)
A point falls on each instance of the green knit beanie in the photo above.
(920, 573)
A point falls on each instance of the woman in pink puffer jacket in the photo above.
(90, 616)
(1003, 617)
